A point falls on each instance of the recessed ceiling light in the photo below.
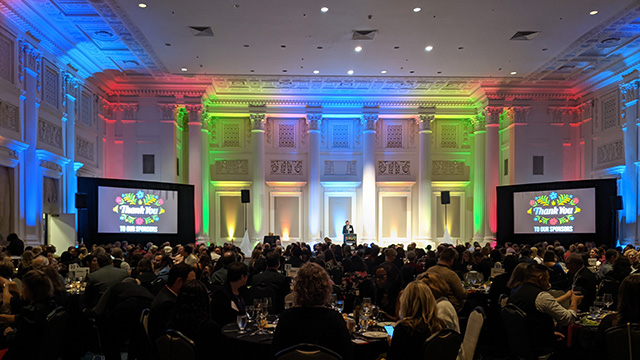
(514, 72)
(143, 5)
(184, 69)
(593, 12)
(316, 71)
(428, 48)
(416, 9)
(324, 9)
(358, 48)
(350, 72)
(383, 72)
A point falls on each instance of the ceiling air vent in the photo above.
(201, 30)
(524, 35)
(363, 34)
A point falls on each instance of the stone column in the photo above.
(259, 207)
(313, 125)
(30, 61)
(369, 177)
(70, 85)
(195, 164)
(492, 170)
(629, 112)
(479, 215)
(424, 174)
(206, 178)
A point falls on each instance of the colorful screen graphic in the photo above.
(555, 211)
(130, 210)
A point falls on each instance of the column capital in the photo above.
(369, 121)
(70, 85)
(479, 123)
(167, 111)
(193, 109)
(424, 122)
(258, 122)
(492, 115)
(313, 122)
(30, 59)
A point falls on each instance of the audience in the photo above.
(228, 300)
(457, 294)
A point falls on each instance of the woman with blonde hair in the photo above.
(419, 320)
(440, 289)
(310, 321)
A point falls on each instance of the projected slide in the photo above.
(555, 211)
(131, 210)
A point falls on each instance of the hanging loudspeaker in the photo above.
(244, 196)
(445, 198)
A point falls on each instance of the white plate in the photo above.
(386, 323)
(375, 334)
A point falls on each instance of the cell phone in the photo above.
(389, 330)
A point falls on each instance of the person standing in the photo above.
(347, 229)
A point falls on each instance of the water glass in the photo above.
(267, 303)
(242, 323)
(251, 313)
(340, 306)
(607, 299)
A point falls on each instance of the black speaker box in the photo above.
(81, 201)
(445, 198)
(616, 203)
(244, 196)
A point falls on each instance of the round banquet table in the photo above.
(258, 346)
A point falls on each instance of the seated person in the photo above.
(388, 286)
(628, 310)
(457, 294)
(228, 301)
(419, 320)
(272, 278)
(25, 335)
(310, 321)
(164, 303)
(542, 309)
(584, 280)
(440, 289)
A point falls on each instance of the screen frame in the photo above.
(88, 218)
(605, 189)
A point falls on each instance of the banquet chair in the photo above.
(515, 324)
(307, 352)
(174, 345)
(471, 334)
(623, 342)
(144, 324)
(443, 345)
(261, 291)
(55, 334)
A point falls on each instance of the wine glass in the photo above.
(366, 302)
(241, 320)
(364, 320)
(340, 306)
(333, 300)
(268, 304)
(608, 300)
(598, 302)
(250, 313)
(261, 318)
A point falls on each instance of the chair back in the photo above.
(515, 324)
(144, 325)
(55, 332)
(307, 352)
(443, 345)
(174, 345)
(623, 342)
(472, 333)
(156, 285)
(261, 291)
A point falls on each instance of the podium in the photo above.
(351, 239)
(271, 239)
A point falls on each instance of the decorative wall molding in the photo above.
(167, 111)
(447, 167)
(30, 58)
(7, 49)
(613, 151)
(231, 167)
(479, 123)
(9, 117)
(339, 167)
(129, 111)
(85, 149)
(50, 165)
(50, 134)
(70, 84)
(394, 167)
(286, 167)
(9, 153)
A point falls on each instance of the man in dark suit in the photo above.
(584, 281)
(347, 229)
(164, 303)
(228, 300)
(99, 281)
(272, 278)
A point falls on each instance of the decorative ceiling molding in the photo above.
(350, 103)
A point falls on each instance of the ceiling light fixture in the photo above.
(514, 72)
(416, 9)
(383, 72)
(593, 12)
(324, 9)
(428, 48)
(316, 71)
(142, 5)
(358, 48)
(350, 72)
(184, 69)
